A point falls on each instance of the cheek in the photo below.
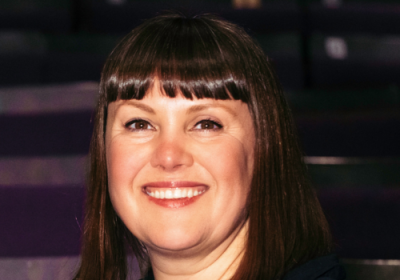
(123, 164)
(230, 164)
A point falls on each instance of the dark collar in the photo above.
(326, 268)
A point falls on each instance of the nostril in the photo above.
(171, 156)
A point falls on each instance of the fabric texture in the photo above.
(323, 268)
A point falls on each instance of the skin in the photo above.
(160, 139)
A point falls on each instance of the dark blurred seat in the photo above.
(359, 269)
(348, 123)
(284, 51)
(350, 136)
(354, 173)
(353, 43)
(351, 141)
(357, 61)
(364, 223)
(40, 220)
(42, 58)
(123, 16)
(42, 168)
(353, 16)
(77, 57)
(21, 57)
(39, 15)
(52, 134)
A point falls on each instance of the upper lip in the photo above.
(174, 184)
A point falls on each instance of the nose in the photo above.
(171, 154)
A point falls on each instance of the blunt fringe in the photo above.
(207, 57)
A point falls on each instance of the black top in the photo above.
(323, 268)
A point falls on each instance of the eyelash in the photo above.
(216, 125)
(129, 124)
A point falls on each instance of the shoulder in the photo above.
(323, 268)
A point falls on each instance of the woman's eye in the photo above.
(139, 125)
(207, 125)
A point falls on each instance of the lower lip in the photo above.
(175, 203)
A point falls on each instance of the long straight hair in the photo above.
(207, 57)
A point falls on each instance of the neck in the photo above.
(219, 263)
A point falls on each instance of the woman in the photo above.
(194, 164)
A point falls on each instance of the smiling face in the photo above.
(179, 170)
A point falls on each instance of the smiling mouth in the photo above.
(174, 194)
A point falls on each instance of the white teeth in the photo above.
(177, 193)
(168, 194)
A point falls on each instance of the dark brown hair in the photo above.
(208, 57)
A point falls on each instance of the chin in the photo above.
(175, 241)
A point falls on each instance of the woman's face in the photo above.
(179, 170)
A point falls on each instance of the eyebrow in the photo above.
(200, 107)
(138, 105)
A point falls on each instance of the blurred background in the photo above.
(338, 61)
